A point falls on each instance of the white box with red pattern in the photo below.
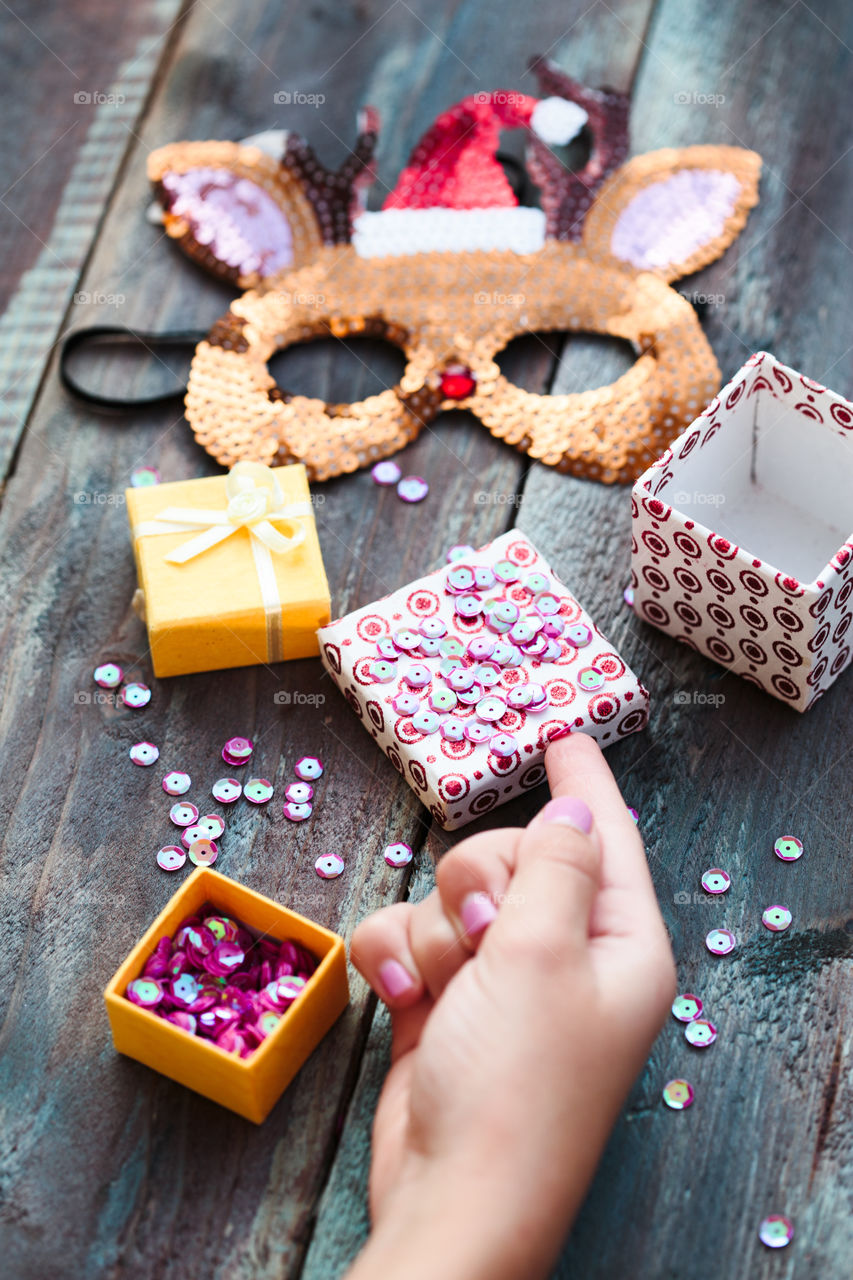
(742, 544)
(464, 676)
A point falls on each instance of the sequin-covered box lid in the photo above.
(464, 676)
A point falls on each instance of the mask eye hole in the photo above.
(556, 363)
(338, 370)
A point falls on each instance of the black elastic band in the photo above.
(75, 342)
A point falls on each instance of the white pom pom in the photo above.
(556, 121)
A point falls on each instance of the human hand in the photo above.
(525, 993)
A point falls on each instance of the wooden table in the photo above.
(107, 1169)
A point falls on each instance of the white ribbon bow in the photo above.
(255, 500)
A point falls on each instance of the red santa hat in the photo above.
(455, 166)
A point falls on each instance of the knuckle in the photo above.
(566, 849)
(365, 937)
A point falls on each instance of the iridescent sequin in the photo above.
(461, 551)
(109, 675)
(777, 919)
(469, 605)
(776, 1231)
(407, 639)
(226, 790)
(183, 814)
(144, 477)
(203, 853)
(135, 695)
(678, 1095)
(487, 674)
(299, 792)
(146, 992)
(503, 745)
(258, 790)
(308, 768)
(452, 730)
(686, 1007)
(406, 704)
(590, 679)
(426, 721)
(329, 866)
(237, 751)
(506, 571)
(700, 1033)
(459, 578)
(477, 731)
(398, 854)
(171, 857)
(714, 880)
(295, 812)
(211, 825)
(412, 489)
(788, 848)
(721, 942)
(177, 784)
(385, 473)
(491, 708)
(433, 628)
(417, 676)
(144, 753)
(480, 648)
(383, 671)
(442, 700)
(579, 635)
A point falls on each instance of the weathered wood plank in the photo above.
(600, 46)
(68, 123)
(715, 786)
(174, 1184)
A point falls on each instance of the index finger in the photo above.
(576, 767)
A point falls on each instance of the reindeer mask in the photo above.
(450, 270)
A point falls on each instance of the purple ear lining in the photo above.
(668, 221)
(233, 217)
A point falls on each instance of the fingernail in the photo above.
(395, 978)
(569, 811)
(477, 912)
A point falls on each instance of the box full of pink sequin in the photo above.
(228, 993)
(464, 676)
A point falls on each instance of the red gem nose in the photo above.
(457, 382)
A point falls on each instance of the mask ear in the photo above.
(245, 214)
(673, 211)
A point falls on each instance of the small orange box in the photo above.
(250, 1086)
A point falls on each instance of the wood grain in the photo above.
(68, 124)
(147, 1180)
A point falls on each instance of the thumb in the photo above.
(552, 891)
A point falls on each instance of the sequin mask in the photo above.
(451, 270)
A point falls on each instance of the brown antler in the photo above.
(567, 196)
(335, 196)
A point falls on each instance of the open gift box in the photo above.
(742, 544)
(229, 568)
(250, 1086)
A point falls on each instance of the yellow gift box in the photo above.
(229, 569)
(250, 1086)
